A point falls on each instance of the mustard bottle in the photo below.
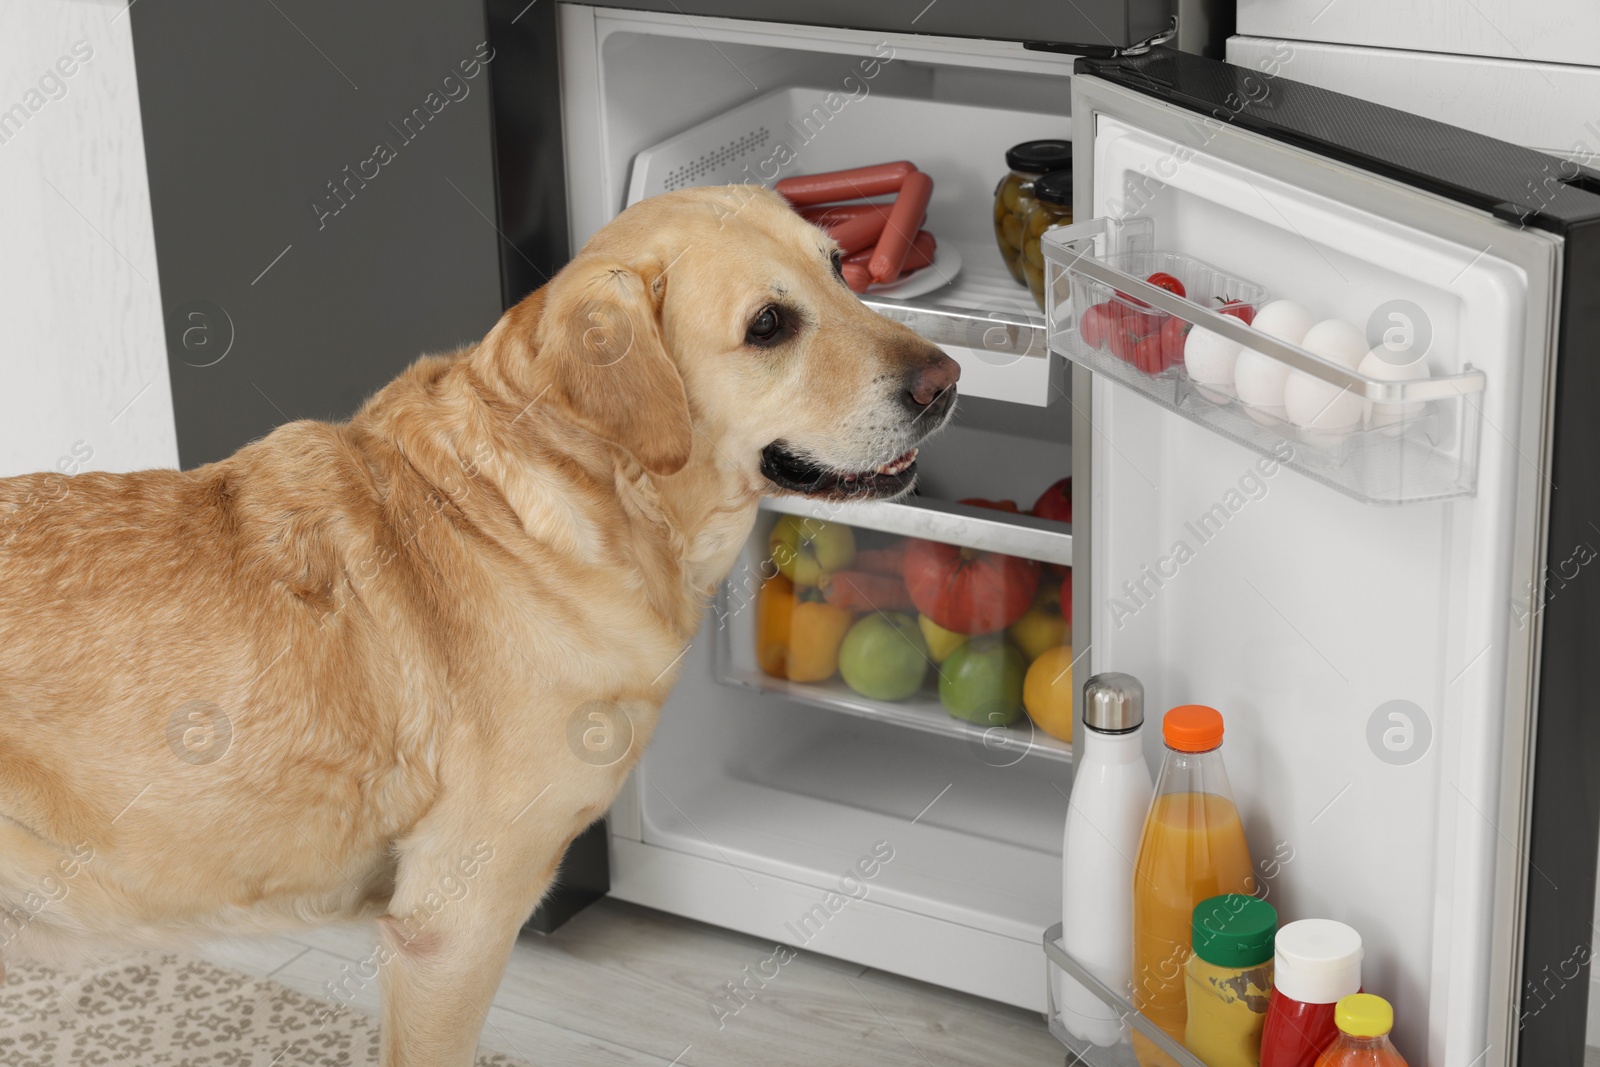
(1228, 979)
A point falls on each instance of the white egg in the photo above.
(1318, 405)
(1209, 357)
(1336, 341)
(1259, 380)
(1285, 320)
(1377, 364)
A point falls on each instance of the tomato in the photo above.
(967, 591)
(1096, 323)
(1147, 353)
(1055, 502)
(1162, 280)
(1241, 311)
(1174, 335)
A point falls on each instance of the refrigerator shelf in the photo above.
(1058, 966)
(985, 529)
(999, 746)
(1413, 440)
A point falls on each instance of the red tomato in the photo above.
(1162, 280)
(1096, 323)
(967, 591)
(1055, 502)
(1147, 353)
(1241, 311)
(1174, 335)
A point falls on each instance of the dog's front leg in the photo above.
(460, 898)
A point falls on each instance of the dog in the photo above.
(339, 673)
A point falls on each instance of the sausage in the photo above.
(857, 183)
(859, 231)
(856, 276)
(823, 214)
(922, 249)
(909, 209)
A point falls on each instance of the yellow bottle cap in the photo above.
(1363, 1015)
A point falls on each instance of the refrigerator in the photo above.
(1397, 621)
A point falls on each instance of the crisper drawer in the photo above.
(944, 618)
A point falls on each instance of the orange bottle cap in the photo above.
(1192, 728)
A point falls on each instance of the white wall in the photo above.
(83, 370)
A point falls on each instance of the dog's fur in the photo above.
(340, 672)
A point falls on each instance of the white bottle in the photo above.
(1111, 792)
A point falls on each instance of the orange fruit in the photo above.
(1047, 692)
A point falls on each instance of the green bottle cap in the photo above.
(1234, 930)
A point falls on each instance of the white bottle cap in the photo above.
(1317, 961)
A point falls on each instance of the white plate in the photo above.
(936, 275)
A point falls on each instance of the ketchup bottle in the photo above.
(1316, 963)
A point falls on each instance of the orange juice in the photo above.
(1193, 848)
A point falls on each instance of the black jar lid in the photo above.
(1054, 188)
(1038, 157)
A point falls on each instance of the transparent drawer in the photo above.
(941, 617)
(1061, 968)
(1377, 436)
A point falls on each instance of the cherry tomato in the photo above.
(1174, 335)
(1096, 324)
(1162, 280)
(1243, 312)
(1147, 354)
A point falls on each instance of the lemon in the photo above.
(1047, 692)
(941, 642)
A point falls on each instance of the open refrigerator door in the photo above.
(1349, 591)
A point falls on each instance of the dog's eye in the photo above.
(766, 328)
(838, 265)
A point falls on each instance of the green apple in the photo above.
(805, 549)
(981, 682)
(884, 656)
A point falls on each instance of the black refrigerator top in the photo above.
(1519, 185)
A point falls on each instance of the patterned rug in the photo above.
(175, 1011)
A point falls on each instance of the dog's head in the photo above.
(717, 318)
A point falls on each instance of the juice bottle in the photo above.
(1193, 848)
(1364, 1023)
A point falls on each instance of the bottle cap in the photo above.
(1054, 188)
(1113, 703)
(1234, 930)
(1363, 1015)
(1192, 728)
(1317, 961)
(1037, 157)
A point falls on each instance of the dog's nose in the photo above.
(933, 379)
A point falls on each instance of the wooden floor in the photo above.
(624, 985)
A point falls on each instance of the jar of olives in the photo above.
(1013, 197)
(1052, 207)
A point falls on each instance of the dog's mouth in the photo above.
(796, 474)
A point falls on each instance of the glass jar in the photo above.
(1013, 197)
(1052, 207)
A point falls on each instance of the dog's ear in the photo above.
(599, 355)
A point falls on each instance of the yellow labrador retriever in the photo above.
(339, 673)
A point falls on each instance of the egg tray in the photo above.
(1418, 439)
